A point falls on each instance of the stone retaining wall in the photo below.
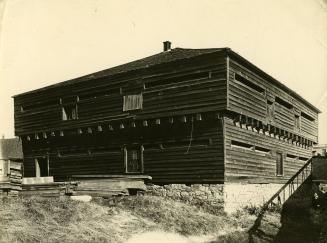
(197, 194)
(230, 196)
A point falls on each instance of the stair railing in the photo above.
(291, 185)
(281, 195)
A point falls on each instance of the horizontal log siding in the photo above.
(176, 96)
(247, 101)
(171, 164)
(257, 167)
(199, 164)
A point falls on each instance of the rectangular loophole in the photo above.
(262, 150)
(283, 103)
(249, 84)
(237, 144)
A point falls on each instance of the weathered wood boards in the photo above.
(48, 189)
(109, 185)
(11, 180)
(183, 116)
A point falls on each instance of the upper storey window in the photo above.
(270, 109)
(249, 84)
(69, 109)
(297, 121)
(284, 103)
(69, 112)
(306, 116)
(133, 102)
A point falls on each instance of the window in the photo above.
(133, 102)
(237, 144)
(249, 84)
(262, 150)
(284, 103)
(41, 167)
(291, 156)
(186, 143)
(279, 164)
(74, 152)
(133, 159)
(69, 112)
(4, 167)
(306, 116)
(39, 105)
(180, 79)
(297, 121)
(270, 109)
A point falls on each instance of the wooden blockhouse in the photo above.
(180, 116)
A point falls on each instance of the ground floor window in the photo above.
(3, 167)
(279, 164)
(41, 167)
(133, 158)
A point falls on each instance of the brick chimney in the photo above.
(166, 46)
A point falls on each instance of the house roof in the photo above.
(11, 148)
(159, 58)
(166, 57)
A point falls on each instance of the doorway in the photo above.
(133, 158)
(41, 167)
(279, 164)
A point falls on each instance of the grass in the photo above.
(64, 220)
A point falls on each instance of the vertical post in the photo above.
(125, 159)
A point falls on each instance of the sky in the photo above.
(43, 42)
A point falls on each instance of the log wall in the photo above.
(169, 156)
(251, 94)
(251, 156)
(180, 87)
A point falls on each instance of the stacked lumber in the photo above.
(109, 185)
(11, 180)
(46, 187)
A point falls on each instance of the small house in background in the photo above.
(182, 116)
(11, 160)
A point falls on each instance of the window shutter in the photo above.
(133, 102)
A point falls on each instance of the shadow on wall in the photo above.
(300, 221)
(298, 217)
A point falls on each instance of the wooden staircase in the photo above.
(290, 186)
(281, 196)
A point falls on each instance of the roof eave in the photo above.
(232, 53)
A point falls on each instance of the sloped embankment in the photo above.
(64, 220)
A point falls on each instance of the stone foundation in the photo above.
(230, 196)
(237, 195)
(197, 194)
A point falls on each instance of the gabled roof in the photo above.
(166, 57)
(11, 148)
(159, 58)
